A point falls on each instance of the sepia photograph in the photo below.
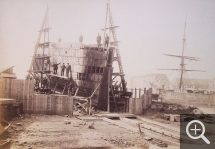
(107, 74)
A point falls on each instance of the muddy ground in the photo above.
(45, 131)
(53, 131)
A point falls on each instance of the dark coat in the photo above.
(98, 39)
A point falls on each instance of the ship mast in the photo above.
(182, 60)
(183, 69)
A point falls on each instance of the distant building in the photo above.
(208, 84)
(212, 85)
(7, 72)
(154, 81)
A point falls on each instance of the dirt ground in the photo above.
(44, 131)
(53, 131)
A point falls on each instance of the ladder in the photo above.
(115, 42)
(42, 30)
(118, 56)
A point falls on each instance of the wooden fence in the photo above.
(137, 105)
(23, 91)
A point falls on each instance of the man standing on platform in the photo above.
(70, 88)
(98, 39)
(67, 69)
(81, 39)
(62, 69)
(45, 83)
(55, 67)
(37, 78)
(106, 40)
(70, 69)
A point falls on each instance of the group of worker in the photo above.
(63, 68)
(44, 81)
(98, 40)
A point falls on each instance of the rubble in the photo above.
(120, 142)
(91, 126)
(67, 122)
(172, 117)
(18, 124)
(159, 143)
(169, 108)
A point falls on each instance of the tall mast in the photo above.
(182, 60)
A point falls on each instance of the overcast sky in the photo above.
(148, 29)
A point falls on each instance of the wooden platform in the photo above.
(88, 118)
(4, 101)
(116, 115)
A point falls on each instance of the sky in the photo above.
(148, 29)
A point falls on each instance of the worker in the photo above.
(106, 40)
(116, 86)
(68, 67)
(46, 63)
(55, 67)
(98, 39)
(70, 88)
(81, 39)
(45, 83)
(37, 79)
(62, 69)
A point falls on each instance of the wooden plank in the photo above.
(8, 88)
(33, 104)
(1, 88)
(58, 105)
(13, 89)
(64, 105)
(31, 98)
(44, 103)
(49, 104)
(71, 101)
(131, 105)
(19, 90)
(53, 105)
(138, 106)
(24, 97)
(37, 102)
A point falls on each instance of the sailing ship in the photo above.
(182, 94)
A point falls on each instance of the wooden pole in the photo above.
(135, 92)
(108, 106)
(105, 27)
(114, 100)
(76, 91)
(132, 93)
(109, 22)
(90, 105)
(139, 92)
